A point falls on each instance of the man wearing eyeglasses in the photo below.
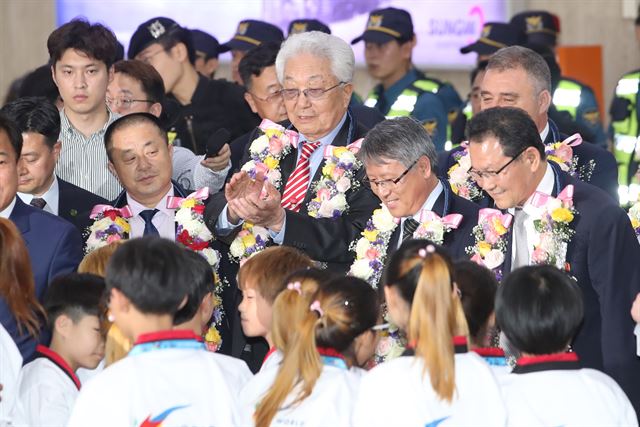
(509, 163)
(401, 163)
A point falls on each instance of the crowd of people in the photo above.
(177, 249)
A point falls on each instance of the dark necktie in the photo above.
(149, 228)
(409, 227)
(38, 202)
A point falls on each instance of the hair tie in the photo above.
(295, 286)
(429, 249)
(315, 306)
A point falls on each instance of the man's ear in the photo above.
(112, 168)
(251, 102)
(57, 147)
(180, 53)
(544, 101)
(156, 109)
(63, 325)
(110, 74)
(53, 74)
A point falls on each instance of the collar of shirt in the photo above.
(544, 186)
(66, 125)
(137, 207)
(392, 92)
(163, 220)
(51, 196)
(316, 157)
(7, 211)
(545, 132)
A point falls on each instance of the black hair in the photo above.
(539, 309)
(39, 82)
(177, 34)
(35, 114)
(513, 127)
(201, 279)
(75, 295)
(94, 40)
(482, 66)
(152, 272)
(256, 60)
(130, 120)
(478, 288)
(407, 282)
(149, 78)
(15, 136)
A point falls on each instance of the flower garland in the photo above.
(337, 178)
(634, 216)
(110, 225)
(552, 225)
(491, 245)
(459, 178)
(561, 153)
(266, 152)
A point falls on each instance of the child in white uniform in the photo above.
(313, 385)
(49, 385)
(539, 309)
(10, 365)
(478, 288)
(437, 382)
(168, 377)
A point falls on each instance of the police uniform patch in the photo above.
(430, 126)
(156, 29)
(534, 23)
(592, 117)
(242, 28)
(171, 136)
(486, 30)
(375, 21)
(452, 116)
(299, 27)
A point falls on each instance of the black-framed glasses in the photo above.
(272, 97)
(125, 103)
(387, 183)
(310, 93)
(476, 175)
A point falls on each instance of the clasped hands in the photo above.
(254, 200)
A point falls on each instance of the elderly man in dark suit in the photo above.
(602, 253)
(55, 246)
(39, 122)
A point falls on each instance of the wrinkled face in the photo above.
(314, 118)
(82, 81)
(407, 196)
(513, 185)
(125, 95)
(255, 313)
(86, 340)
(37, 163)
(141, 158)
(167, 63)
(388, 59)
(236, 56)
(514, 88)
(263, 96)
(8, 171)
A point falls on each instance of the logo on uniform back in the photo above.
(299, 27)
(375, 21)
(430, 126)
(159, 419)
(534, 23)
(242, 28)
(435, 423)
(592, 117)
(156, 29)
(486, 30)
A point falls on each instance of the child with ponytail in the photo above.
(436, 380)
(316, 333)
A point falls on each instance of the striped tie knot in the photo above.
(298, 182)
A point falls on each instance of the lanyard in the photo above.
(165, 344)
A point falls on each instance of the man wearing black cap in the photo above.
(298, 26)
(196, 107)
(570, 95)
(494, 36)
(206, 47)
(249, 34)
(403, 90)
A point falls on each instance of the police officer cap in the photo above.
(303, 25)
(251, 33)
(150, 32)
(205, 43)
(495, 36)
(385, 25)
(540, 27)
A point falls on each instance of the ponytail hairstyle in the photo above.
(332, 318)
(17, 285)
(423, 275)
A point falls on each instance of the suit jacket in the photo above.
(603, 256)
(456, 241)
(55, 248)
(75, 204)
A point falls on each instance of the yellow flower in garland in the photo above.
(327, 170)
(188, 203)
(484, 248)
(124, 224)
(339, 151)
(635, 223)
(249, 240)
(272, 132)
(562, 215)
(370, 235)
(271, 162)
(497, 225)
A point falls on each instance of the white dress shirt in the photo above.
(545, 132)
(163, 220)
(7, 211)
(51, 196)
(428, 205)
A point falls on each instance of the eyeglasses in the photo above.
(125, 103)
(272, 97)
(311, 93)
(476, 175)
(387, 183)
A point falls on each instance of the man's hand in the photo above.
(237, 192)
(220, 161)
(260, 205)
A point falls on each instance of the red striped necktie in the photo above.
(298, 182)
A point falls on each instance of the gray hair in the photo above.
(322, 45)
(402, 139)
(512, 57)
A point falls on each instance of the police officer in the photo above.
(206, 47)
(570, 95)
(195, 106)
(403, 90)
(249, 34)
(298, 26)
